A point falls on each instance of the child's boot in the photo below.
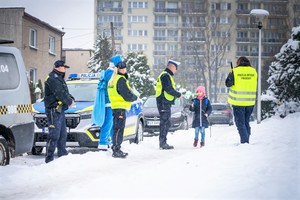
(202, 144)
(195, 142)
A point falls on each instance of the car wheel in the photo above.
(37, 150)
(185, 125)
(139, 133)
(4, 152)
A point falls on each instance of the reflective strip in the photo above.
(15, 109)
(235, 92)
(241, 99)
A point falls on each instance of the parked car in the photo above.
(16, 123)
(221, 114)
(181, 117)
(81, 131)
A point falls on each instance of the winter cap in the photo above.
(121, 65)
(200, 89)
(176, 63)
(116, 59)
(60, 63)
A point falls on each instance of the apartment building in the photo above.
(39, 42)
(204, 35)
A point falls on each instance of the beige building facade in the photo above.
(77, 59)
(204, 35)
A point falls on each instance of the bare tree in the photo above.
(210, 45)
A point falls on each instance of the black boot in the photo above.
(166, 146)
(119, 154)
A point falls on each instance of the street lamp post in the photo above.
(259, 15)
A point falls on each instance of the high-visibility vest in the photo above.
(158, 91)
(243, 92)
(116, 100)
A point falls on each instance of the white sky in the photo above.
(76, 16)
(266, 169)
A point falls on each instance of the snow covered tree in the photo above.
(284, 73)
(102, 54)
(139, 74)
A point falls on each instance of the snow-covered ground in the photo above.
(268, 168)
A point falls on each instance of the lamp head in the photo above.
(260, 15)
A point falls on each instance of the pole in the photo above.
(112, 38)
(259, 76)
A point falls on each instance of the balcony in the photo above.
(160, 24)
(192, 39)
(194, 11)
(159, 38)
(194, 25)
(161, 52)
(167, 10)
(242, 12)
(247, 40)
(110, 10)
(191, 53)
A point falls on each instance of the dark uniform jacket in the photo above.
(56, 90)
(124, 91)
(167, 86)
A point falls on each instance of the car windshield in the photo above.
(151, 103)
(83, 91)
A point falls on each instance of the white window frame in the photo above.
(51, 44)
(33, 75)
(33, 38)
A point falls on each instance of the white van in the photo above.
(16, 121)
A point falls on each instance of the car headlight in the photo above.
(86, 115)
(176, 115)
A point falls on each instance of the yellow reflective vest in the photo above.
(116, 100)
(158, 91)
(243, 92)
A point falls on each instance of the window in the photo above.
(160, 4)
(172, 33)
(32, 75)
(9, 72)
(242, 34)
(159, 61)
(33, 38)
(51, 44)
(159, 47)
(140, 19)
(159, 33)
(172, 5)
(134, 47)
(160, 19)
(137, 32)
(172, 47)
(173, 20)
(225, 6)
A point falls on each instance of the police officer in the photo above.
(165, 96)
(57, 100)
(120, 96)
(242, 81)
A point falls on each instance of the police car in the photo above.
(81, 131)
